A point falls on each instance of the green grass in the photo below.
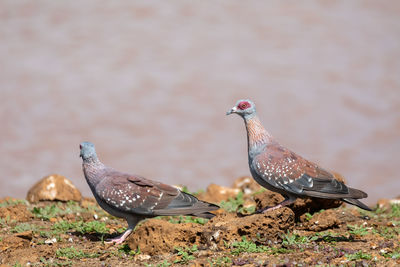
(61, 209)
(164, 263)
(392, 255)
(82, 227)
(13, 202)
(185, 254)
(187, 219)
(51, 263)
(22, 227)
(358, 256)
(73, 253)
(239, 247)
(308, 216)
(125, 249)
(357, 230)
(220, 262)
(236, 205)
(291, 239)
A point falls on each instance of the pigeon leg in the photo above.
(288, 200)
(119, 239)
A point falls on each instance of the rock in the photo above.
(385, 203)
(299, 207)
(13, 242)
(216, 193)
(17, 212)
(53, 187)
(327, 219)
(247, 185)
(268, 226)
(155, 237)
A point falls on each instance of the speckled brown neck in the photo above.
(91, 167)
(256, 133)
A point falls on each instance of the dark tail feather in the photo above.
(199, 209)
(356, 203)
(355, 193)
(206, 215)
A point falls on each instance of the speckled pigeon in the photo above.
(281, 170)
(135, 198)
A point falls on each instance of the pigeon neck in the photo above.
(257, 136)
(91, 168)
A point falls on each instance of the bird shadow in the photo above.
(94, 237)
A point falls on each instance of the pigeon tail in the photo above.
(194, 207)
(357, 203)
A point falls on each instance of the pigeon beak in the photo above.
(233, 110)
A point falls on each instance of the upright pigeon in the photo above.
(135, 198)
(280, 170)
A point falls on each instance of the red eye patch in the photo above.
(243, 105)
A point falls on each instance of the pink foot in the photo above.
(272, 208)
(119, 239)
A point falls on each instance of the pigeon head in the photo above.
(244, 108)
(87, 150)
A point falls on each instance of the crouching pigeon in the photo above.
(135, 198)
(280, 170)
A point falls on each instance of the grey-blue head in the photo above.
(244, 108)
(87, 151)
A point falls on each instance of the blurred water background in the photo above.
(149, 82)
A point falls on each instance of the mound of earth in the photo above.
(58, 233)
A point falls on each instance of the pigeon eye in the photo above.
(243, 105)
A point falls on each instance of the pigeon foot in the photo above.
(119, 239)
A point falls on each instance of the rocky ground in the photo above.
(71, 233)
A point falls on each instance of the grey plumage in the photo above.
(283, 171)
(134, 197)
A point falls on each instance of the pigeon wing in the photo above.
(285, 170)
(134, 194)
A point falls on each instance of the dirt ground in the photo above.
(72, 234)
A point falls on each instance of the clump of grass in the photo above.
(46, 212)
(82, 227)
(308, 216)
(73, 253)
(51, 263)
(233, 204)
(61, 209)
(358, 256)
(22, 227)
(295, 240)
(236, 205)
(125, 249)
(185, 254)
(164, 263)
(220, 262)
(392, 255)
(239, 247)
(357, 230)
(187, 219)
(12, 202)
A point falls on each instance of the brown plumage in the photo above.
(135, 198)
(283, 171)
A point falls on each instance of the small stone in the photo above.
(51, 241)
(53, 187)
(142, 257)
(216, 193)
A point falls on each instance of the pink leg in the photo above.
(119, 239)
(131, 225)
(289, 200)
